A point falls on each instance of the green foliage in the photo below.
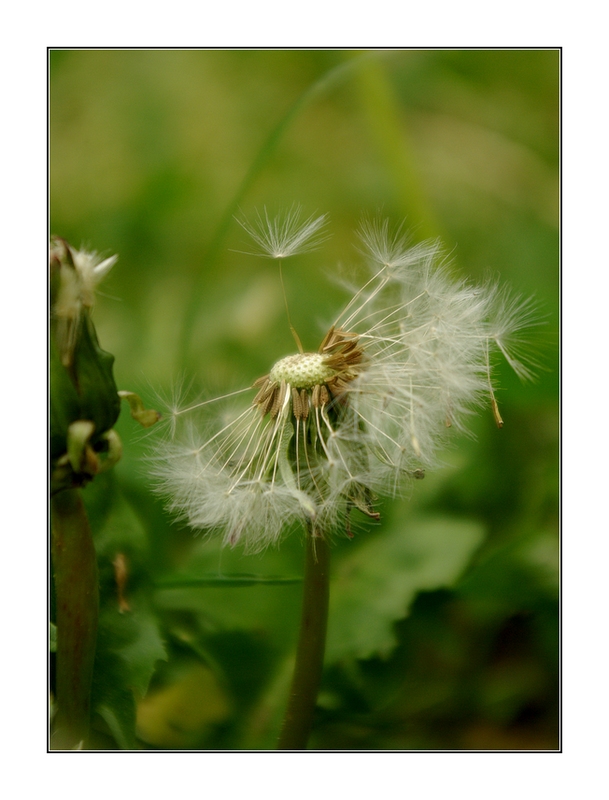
(84, 403)
(129, 646)
(440, 637)
(99, 400)
(64, 406)
(376, 585)
(129, 641)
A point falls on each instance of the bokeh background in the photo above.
(444, 625)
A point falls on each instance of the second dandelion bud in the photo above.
(408, 358)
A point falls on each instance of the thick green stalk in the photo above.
(298, 719)
(77, 609)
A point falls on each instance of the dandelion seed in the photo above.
(407, 360)
(286, 235)
(514, 318)
(388, 248)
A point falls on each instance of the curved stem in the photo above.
(298, 719)
(77, 609)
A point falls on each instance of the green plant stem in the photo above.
(77, 609)
(298, 719)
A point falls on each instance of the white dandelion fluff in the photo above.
(80, 273)
(286, 234)
(409, 357)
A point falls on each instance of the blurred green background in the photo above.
(151, 154)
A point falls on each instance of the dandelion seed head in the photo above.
(302, 371)
(323, 433)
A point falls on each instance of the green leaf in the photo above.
(64, 405)
(139, 645)
(376, 585)
(117, 526)
(84, 391)
(93, 369)
(118, 712)
(129, 643)
(129, 646)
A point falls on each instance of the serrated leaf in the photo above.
(93, 369)
(138, 645)
(129, 647)
(129, 643)
(375, 587)
(84, 391)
